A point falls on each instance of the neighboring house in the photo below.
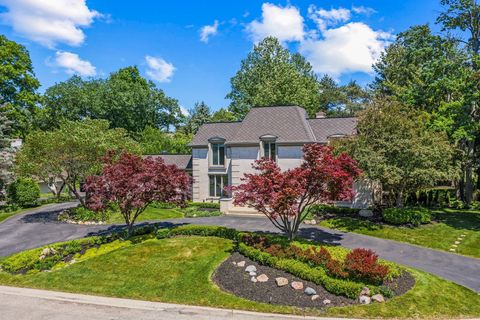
(182, 161)
(223, 152)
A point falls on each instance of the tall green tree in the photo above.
(125, 99)
(341, 100)
(223, 115)
(6, 155)
(71, 153)
(395, 147)
(156, 141)
(18, 86)
(272, 75)
(199, 115)
(464, 16)
(432, 74)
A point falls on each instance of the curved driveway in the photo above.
(39, 227)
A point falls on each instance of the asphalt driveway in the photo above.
(39, 227)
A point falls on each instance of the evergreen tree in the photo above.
(199, 115)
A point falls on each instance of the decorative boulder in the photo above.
(241, 264)
(378, 298)
(281, 281)
(262, 278)
(366, 213)
(297, 285)
(315, 297)
(253, 279)
(310, 291)
(365, 291)
(252, 274)
(327, 301)
(251, 268)
(365, 300)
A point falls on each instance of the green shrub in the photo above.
(205, 231)
(414, 216)
(302, 270)
(387, 292)
(163, 205)
(211, 205)
(322, 209)
(81, 214)
(24, 192)
(194, 212)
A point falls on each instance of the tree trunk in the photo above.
(399, 200)
(468, 198)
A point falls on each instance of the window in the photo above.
(269, 150)
(217, 184)
(218, 154)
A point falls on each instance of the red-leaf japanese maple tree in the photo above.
(284, 196)
(133, 183)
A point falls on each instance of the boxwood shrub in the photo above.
(23, 192)
(413, 216)
(207, 205)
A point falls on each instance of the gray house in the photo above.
(223, 152)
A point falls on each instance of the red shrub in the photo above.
(363, 264)
(336, 269)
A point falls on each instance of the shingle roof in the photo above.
(289, 124)
(225, 130)
(323, 128)
(182, 161)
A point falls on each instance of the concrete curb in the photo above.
(170, 308)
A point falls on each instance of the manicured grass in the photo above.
(440, 234)
(150, 213)
(178, 270)
(5, 215)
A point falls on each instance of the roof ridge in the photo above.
(306, 126)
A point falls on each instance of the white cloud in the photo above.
(207, 31)
(324, 18)
(284, 23)
(72, 64)
(353, 47)
(363, 10)
(49, 21)
(184, 111)
(159, 69)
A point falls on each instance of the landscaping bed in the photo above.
(277, 289)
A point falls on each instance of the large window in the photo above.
(269, 150)
(217, 184)
(218, 154)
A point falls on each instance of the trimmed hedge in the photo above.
(24, 192)
(193, 230)
(206, 205)
(414, 216)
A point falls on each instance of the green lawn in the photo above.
(150, 213)
(5, 215)
(178, 270)
(440, 234)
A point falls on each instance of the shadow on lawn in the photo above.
(459, 219)
(50, 216)
(353, 224)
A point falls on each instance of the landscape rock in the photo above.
(378, 298)
(262, 278)
(310, 291)
(252, 274)
(327, 301)
(253, 279)
(251, 268)
(281, 281)
(365, 300)
(241, 264)
(457, 242)
(313, 221)
(234, 263)
(315, 297)
(365, 291)
(366, 213)
(297, 285)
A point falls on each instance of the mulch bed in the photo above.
(235, 280)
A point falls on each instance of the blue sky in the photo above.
(164, 38)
